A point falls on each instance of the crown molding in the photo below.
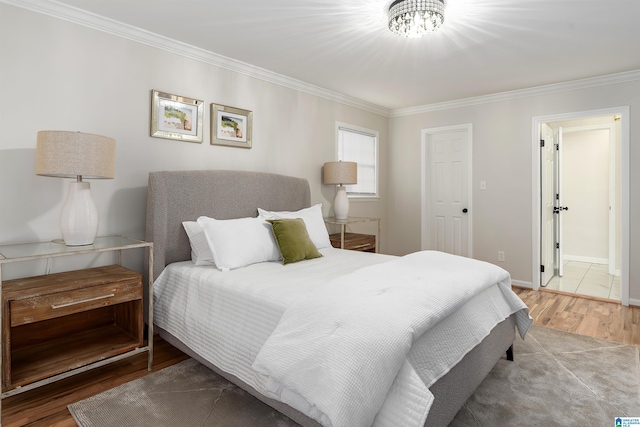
(521, 93)
(100, 23)
(110, 26)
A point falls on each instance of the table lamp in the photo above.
(341, 173)
(64, 154)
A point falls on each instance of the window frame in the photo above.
(368, 132)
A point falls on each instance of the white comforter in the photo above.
(341, 347)
(226, 317)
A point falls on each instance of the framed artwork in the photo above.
(176, 117)
(231, 126)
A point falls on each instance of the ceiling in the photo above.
(484, 46)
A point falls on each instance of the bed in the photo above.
(247, 315)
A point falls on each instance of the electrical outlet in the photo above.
(500, 255)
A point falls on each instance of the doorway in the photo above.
(581, 228)
(446, 189)
(585, 200)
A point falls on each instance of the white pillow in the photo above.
(200, 252)
(237, 243)
(313, 220)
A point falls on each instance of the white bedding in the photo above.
(226, 317)
(341, 346)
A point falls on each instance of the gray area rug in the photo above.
(557, 378)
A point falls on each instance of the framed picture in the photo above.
(231, 126)
(176, 117)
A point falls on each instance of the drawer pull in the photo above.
(82, 301)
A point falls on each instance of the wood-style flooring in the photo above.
(47, 406)
(594, 317)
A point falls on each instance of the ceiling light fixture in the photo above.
(415, 18)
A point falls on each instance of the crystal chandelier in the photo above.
(415, 18)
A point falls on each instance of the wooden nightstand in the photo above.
(354, 242)
(58, 322)
(62, 324)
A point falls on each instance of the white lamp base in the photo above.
(79, 218)
(341, 203)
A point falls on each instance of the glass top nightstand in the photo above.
(343, 223)
(52, 248)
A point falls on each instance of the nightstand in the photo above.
(354, 241)
(58, 325)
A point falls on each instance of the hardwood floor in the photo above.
(47, 406)
(594, 317)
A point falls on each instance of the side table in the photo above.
(343, 223)
(111, 294)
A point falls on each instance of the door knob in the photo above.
(465, 210)
(557, 209)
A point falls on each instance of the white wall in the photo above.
(585, 190)
(502, 156)
(59, 75)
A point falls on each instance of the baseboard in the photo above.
(522, 284)
(586, 259)
(634, 302)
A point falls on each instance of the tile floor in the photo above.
(585, 278)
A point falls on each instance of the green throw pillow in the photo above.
(293, 240)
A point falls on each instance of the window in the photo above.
(361, 146)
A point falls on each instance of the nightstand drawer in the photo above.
(355, 242)
(59, 304)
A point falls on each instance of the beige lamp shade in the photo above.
(77, 155)
(66, 154)
(341, 173)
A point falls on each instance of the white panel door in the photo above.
(547, 246)
(448, 181)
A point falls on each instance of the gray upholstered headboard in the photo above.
(174, 197)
